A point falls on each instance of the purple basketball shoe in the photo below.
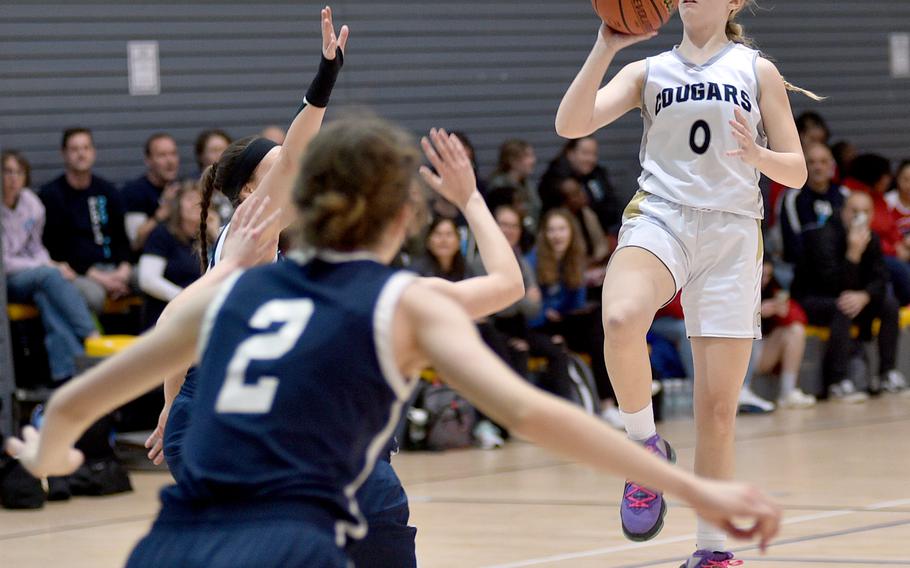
(708, 559)
(642, 511)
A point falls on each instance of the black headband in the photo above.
(247, 163)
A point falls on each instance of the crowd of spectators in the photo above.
(838, 256)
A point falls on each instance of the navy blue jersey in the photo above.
(297, 389)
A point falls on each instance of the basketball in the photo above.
(635, 16)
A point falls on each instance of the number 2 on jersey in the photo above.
(238, 396)
(706, 141)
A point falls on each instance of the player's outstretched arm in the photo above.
(162, 354)
(783, 160)
(169, 347)
(439, 331)
(454, 179)
(280, 180)
(586, 107)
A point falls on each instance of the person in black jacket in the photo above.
(841, 281)
(812, 206)
(84, 227)
(579, 159)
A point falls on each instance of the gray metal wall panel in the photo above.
(495, 69)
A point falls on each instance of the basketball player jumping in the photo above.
(710, 105)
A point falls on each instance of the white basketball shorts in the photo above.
(715, 258)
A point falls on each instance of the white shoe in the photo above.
(610, 415)
(488, 435)
(752, 403)
(796, 399)
(656, 387)
(845, 391)
(894, 381)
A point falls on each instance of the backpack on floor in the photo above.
(18, 488)
(102, 473)
(440, 419)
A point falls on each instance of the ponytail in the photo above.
(737, 34)
(208, 188)
(797, 89)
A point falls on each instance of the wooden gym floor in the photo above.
(842, 473)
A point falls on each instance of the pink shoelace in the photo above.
(637, 502)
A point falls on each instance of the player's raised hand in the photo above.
(614, 40)
(38, 463)
(454, 176)
(330, 42)
(724, 503)
(748, 150)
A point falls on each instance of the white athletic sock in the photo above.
(640, 425)
(787, 383)
(709, 537)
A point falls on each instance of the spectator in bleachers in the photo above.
(514, 169)
(209, 146)
(812, 206)
(844, 154)
(841, 281)
(579, 158)
(147, 198)
(84, 224)
(170, 260)
(812, 130)
(575, 200)
(899, 199)
(510, 196)
(784, 340)
(31, 275)
(443, 259)
(559, 262)
(871, 174)
(513, 321)
(274, 133)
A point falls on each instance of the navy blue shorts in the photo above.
(389, 541)
(178, 421)
(275, 543)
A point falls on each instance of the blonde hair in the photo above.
(570, 268)
(737, 34)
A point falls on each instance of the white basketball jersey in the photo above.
(686, 109)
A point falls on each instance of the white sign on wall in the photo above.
(145, 78)
(900, 55)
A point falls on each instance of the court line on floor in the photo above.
(609, 504)
(797, 540)
(555, 462)
(78, 526)
(829, 561)
(689, 537)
